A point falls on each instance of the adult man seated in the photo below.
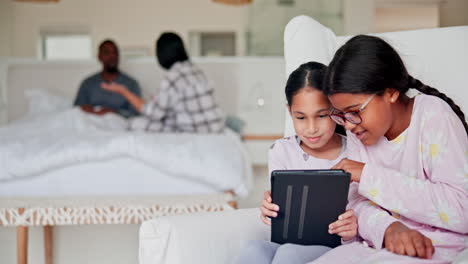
(92, 99)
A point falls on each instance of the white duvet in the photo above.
(33, 147)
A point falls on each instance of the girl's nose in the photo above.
(348, 125)
(313, 128)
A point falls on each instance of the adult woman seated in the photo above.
(185, 102)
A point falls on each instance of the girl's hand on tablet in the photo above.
(268, 209)
(351, 166)
(346, 226)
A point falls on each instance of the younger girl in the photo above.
(315, 146)
(408, 156)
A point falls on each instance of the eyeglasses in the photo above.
(351, 116)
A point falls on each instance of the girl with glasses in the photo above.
(408, 158)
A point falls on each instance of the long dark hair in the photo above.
(368, 64)
(170, 49)
(309, 74)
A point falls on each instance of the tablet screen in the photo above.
(309, 201)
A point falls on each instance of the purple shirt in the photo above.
(420, 179)
(287, 154)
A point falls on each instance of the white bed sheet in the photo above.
(117, 177)
(55, 154)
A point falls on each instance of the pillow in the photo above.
(306, 40)
(235, 124)
(42, 102)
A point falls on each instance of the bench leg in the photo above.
(22, 244)
(48, 244)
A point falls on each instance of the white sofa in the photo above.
(438, 57)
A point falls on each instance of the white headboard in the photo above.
(437, 57)
(64, 78)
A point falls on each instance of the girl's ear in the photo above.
(289, 108)
(391, 95)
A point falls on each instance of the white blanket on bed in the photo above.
(30, 148)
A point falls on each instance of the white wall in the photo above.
(6, 23)
(130, 23)
(266, 34)
(371, 16)
(6, 7)
(395, 18)
(394, 15)
(358, 18)
(138, 23)
(3, 103)
(453, 13)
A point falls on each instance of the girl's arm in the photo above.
(441, 200)
(276, 157)
(155, 109)
(133, 99)
(275, 162)
(372, 220)
(379, 229)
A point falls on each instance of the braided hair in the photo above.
(368, 64)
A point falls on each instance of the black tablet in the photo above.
(309, 201)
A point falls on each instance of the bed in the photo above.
(61, 166)
(72, 153)
(43, 126)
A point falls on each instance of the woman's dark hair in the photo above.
(309, 74)
(368, 64)
(170, 49)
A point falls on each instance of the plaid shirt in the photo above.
(185, 104)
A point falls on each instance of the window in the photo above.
(212, 43)
(66, 46)
(134, 52)
(266, 20)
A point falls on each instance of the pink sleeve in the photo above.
(355, 239)
(372, 219)
(438, 198)
(276, 157)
